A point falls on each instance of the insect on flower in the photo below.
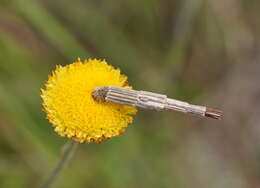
(91, 101)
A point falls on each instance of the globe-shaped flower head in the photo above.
(71, 109)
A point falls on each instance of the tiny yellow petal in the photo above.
(67, 100)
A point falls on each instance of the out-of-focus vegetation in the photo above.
(202, 51)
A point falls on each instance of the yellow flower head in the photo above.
(71, 109)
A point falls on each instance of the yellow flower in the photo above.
(73, 112)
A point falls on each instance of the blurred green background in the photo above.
(202, 51)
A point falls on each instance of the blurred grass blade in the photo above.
(46, 24)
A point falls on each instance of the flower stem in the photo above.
(68, 151)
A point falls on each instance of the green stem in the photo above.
(68, 152)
